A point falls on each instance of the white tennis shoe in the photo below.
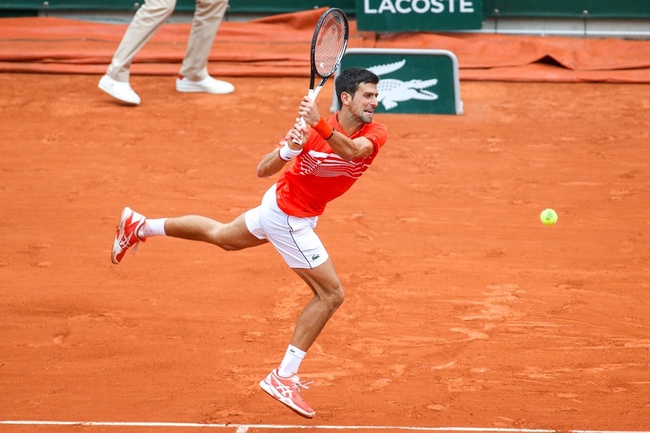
(119, 90)
(206, 85)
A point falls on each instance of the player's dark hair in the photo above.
(350, 79)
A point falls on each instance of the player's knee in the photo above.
(335, 297)
(340, 297)
(216, 235)
(224, 242)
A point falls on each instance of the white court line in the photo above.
(306, 427)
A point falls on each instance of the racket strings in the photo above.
(330, 45)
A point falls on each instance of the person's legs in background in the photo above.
(147, 20)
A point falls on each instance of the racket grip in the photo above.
(303, 124)
(312, 94)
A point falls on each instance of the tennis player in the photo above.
(330, 155)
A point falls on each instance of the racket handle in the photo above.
(303, 124)
(312, 94)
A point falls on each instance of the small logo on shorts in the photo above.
(315, 257)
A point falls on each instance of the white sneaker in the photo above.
(206, 85)
(119, 90)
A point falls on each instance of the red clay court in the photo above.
(463, 311)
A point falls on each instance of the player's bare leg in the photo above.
(229, 236)
(328, 297)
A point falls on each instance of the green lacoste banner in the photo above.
(419, 15)
(411, 81)
(623, 9)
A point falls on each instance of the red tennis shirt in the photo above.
(319, 175)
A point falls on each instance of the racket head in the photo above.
(329, 43)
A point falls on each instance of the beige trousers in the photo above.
(150, 17)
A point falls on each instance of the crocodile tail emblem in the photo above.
(393, 91)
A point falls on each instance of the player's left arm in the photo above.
(350, 149)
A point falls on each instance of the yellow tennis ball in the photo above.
(548, 217)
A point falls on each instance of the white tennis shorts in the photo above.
(293, 237)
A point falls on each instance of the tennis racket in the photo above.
(328, 46)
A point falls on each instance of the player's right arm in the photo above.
(275, 160)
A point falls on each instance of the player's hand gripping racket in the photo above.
(327, 49)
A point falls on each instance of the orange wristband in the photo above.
(324, 129)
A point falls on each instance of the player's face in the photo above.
(364, 102)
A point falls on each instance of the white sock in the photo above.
(152, 227)
(291, 362)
